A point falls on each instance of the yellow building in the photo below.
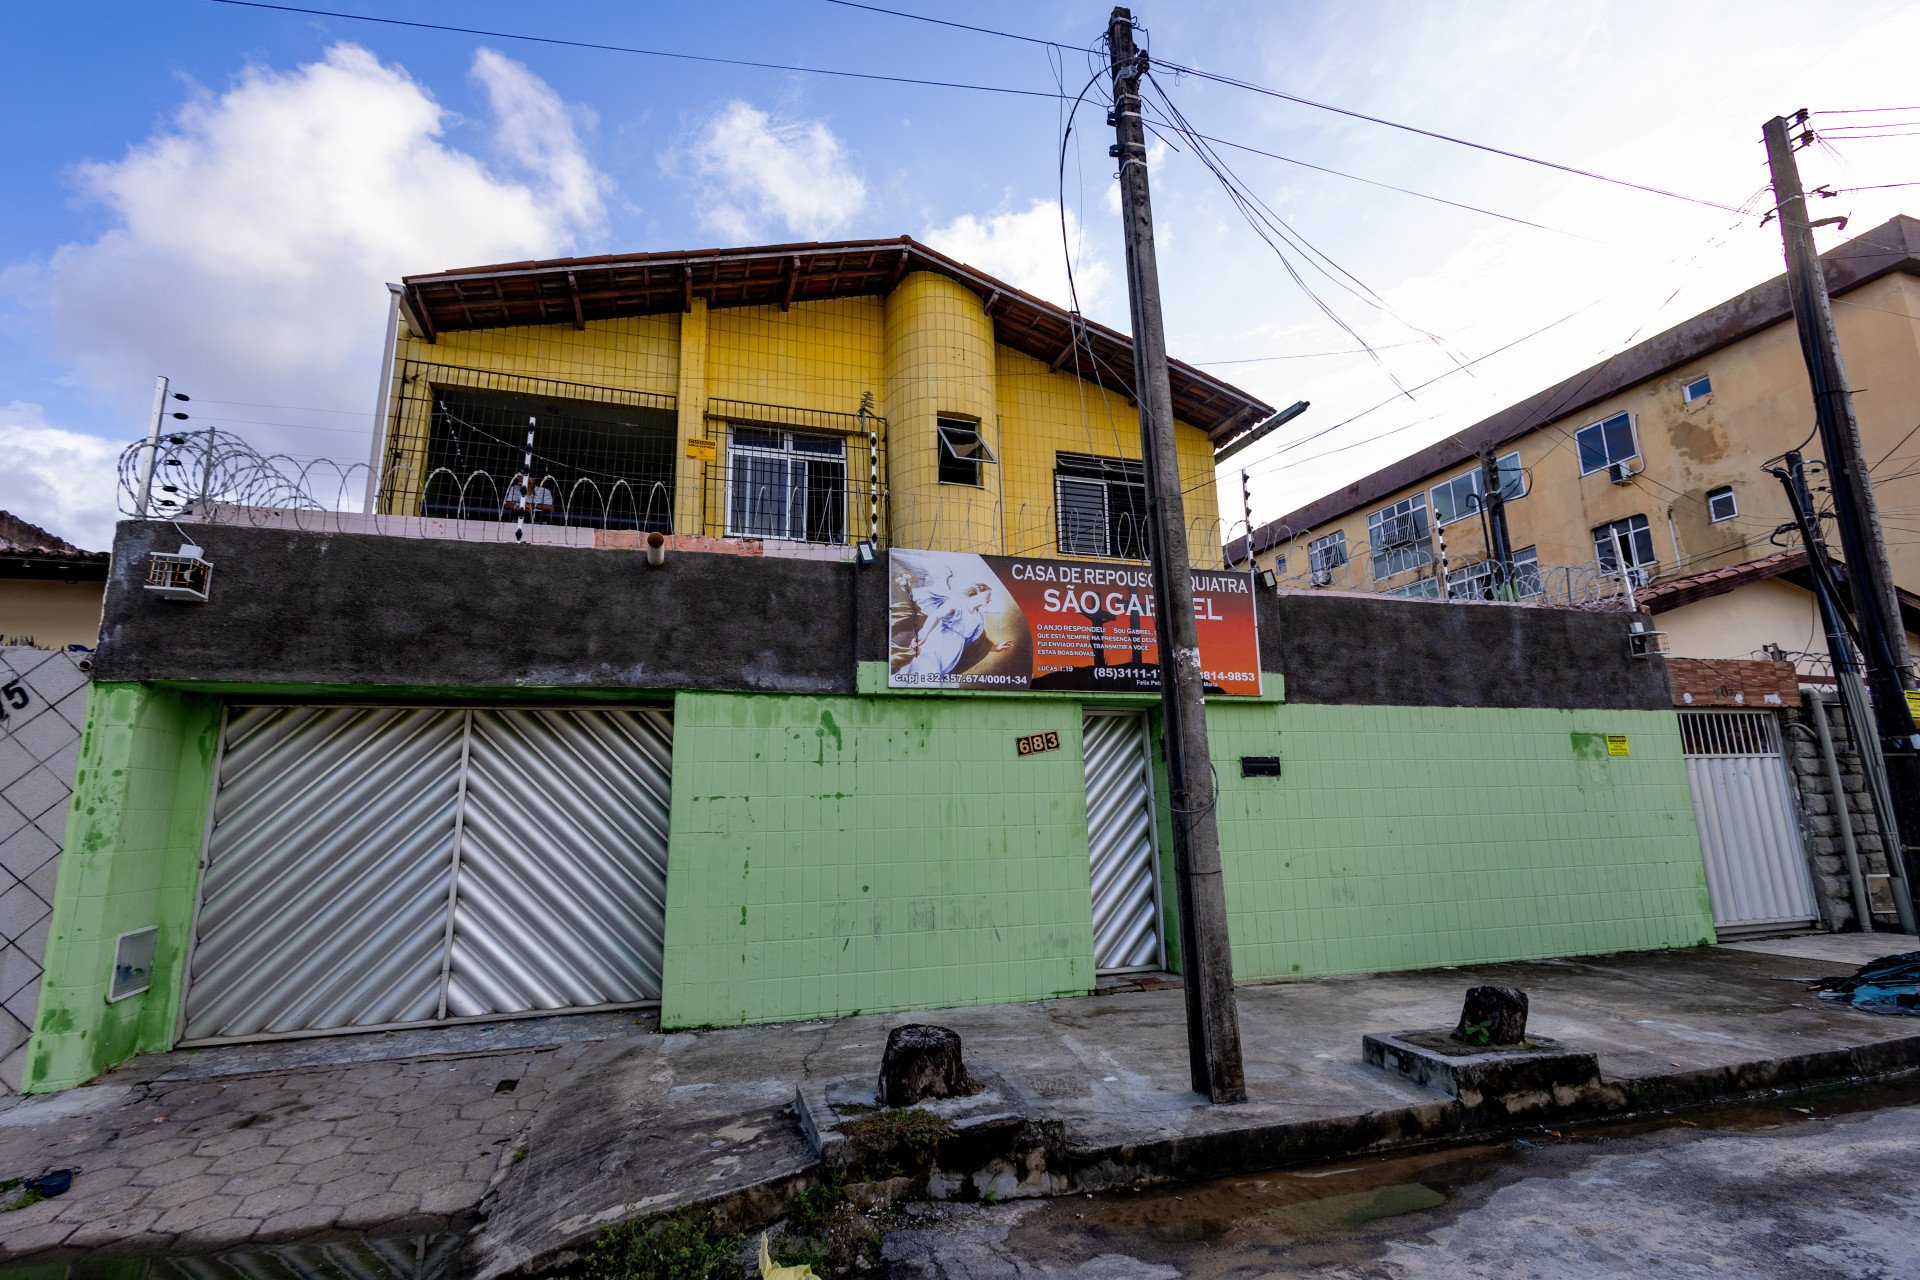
(1649, 465)
(50, 590)
(805, 397)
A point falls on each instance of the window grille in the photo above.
(1324, 555)
(1398, 536)
(1102, 507)
(604, 464)
(786, 484)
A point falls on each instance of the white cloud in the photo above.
(253, 234)
(1026, 249)
(61, 480)
(535, 128)
(756, 172)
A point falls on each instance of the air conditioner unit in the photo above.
(1620, 472)
(1321, 577)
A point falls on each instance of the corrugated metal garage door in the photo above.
(1743, 802)
(1120, 840)
(379, 866)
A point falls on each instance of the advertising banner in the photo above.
(1014, 623)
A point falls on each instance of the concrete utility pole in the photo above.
(1876, 607)
(1493, 500)
(1213, 1020)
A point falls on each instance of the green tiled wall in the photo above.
(131, 859)
(830, 855)
(1407, 837)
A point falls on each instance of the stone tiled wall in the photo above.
(1820, 816)
(44, 697)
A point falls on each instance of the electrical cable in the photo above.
(1251, 87)
(599, 47)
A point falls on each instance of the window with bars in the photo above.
(603, 465)
(1101, 505)
(1399, 537)
(1324, 555)
(786, 484)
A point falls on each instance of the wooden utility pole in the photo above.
(1213, 1020)
(1876, 607)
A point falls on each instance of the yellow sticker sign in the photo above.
(1913, 706)
(705, 450)
(1617, 744)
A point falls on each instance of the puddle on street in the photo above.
(1290, 1208)
(410, 1258)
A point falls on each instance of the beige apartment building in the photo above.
(1649, 467)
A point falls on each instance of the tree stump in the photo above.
(1493, 1016)
(921, 1062)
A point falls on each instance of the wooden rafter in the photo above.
(793, 282)
(573, 291)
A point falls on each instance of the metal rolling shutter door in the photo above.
(1120, 840)
(380, 866)
(563, 861)
(324, 898)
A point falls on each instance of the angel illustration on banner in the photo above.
(951, 615)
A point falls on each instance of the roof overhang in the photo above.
(576, 291)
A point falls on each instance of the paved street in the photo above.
(1801, 1188)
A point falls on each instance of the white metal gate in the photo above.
(382, 866)
(1743, 801)
(1120, 840)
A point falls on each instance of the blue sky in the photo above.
(219, 193)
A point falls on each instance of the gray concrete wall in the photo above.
(1821, 814)
(359, 610)
(1351, 650)
(354, 611)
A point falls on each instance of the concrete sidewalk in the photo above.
(195, 1152)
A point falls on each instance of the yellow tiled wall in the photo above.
(926, 350)
(940, 360)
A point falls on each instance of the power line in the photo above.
(648, 53)
(958, 26)
(1385, 186)
(1435, 134)
(1237, 146)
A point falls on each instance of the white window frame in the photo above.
(1526, 571)
(1321, 552)
(1452, 486)
(1689, 395)
(1733, 504)
(1410, 553)
(1418, 589)
(1633, 434)
(786, 455)
(1612, 532)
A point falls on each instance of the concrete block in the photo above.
(1539, 1075)
(1003, 1139)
